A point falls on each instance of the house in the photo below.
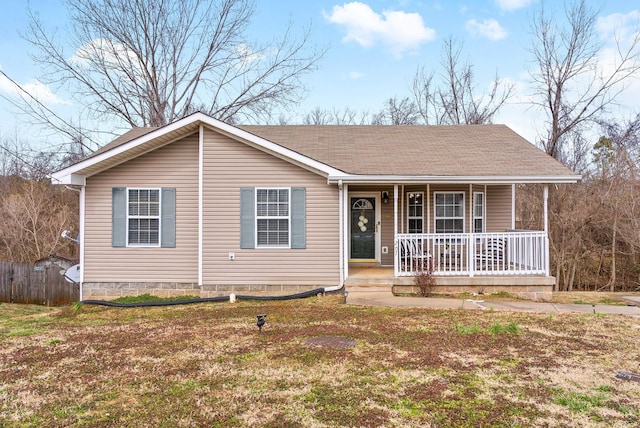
(201, 207)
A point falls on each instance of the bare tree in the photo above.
(317, 116)
(33, 212)
(452, 97)
(150, 62)
(346, 116)
(572, 87)
(397, 112)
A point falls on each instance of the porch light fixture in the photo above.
(385, 197)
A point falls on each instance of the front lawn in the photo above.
(206, 364)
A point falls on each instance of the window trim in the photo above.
(484, 212)
(409, 217)
(158, 217)
(257, 217)
(435, 211)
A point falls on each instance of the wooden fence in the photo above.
(41, 285)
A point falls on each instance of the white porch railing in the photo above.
(505, 253)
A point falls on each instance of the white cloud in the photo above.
(355, 75)
(622, 25)
(511, 5)
(35, 88)
(489, 28)
(399, 31)
(109, 54)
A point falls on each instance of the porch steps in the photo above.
(370, 279)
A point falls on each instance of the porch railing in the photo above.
(505, 253)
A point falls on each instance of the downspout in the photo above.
(341, 239)
(82, 212)
(341, 230)
(200, 199)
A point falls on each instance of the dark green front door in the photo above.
(363, 227)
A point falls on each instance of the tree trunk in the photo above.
(612, 278)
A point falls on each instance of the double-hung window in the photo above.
(478, 212)
(272, 217)
(415, 212)
(143, 217)
(449, 212)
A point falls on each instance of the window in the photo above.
(272, 217)
(143, 217)
(449, 212)
(415, 212)
(478, 212)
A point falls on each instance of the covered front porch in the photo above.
(463, 234)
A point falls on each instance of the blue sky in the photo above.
(374, 49)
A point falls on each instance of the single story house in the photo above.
(202, 207)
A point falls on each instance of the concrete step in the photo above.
(369, 281)
(368, 288)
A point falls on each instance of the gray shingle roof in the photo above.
(462, 150)
(447, 151)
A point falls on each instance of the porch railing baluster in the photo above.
(473, 254)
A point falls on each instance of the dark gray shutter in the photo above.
(118, 217)
(168, 217)
(298, 217)
(247, 217)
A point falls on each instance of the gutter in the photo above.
(473, 179)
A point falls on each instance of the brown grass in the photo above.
(206, 365)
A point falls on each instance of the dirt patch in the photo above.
(331, 342)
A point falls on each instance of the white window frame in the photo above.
(483, 214)
(435, 212)
(277, 217)
(158, 217)
(410, 217)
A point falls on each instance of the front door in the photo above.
(363, 227)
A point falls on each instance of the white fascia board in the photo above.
(391, 179)
(203, 118)
(70, 179)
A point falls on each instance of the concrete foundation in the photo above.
(113, 290)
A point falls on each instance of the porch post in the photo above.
(513, 206)
(545, 197)
(395, 230)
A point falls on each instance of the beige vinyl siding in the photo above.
(499, 212)
(174, 165)
(230, 166)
